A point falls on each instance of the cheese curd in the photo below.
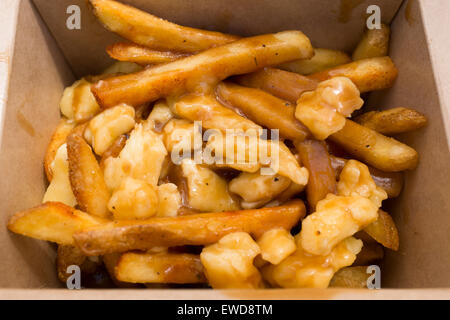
(169, 200)
(257, 187)
(107, 126)
(355, 179)
(60, 189)
(276, 245)
(305, 270)
(324, 110)
(141, 158)
(335, 218)
(179, 136)
(229, 262)
(78, 102)
(207, 191)
(160, 115)
(134, 199)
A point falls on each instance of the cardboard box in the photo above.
(39, 56)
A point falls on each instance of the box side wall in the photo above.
(422, 211)
(341, 23)
(38, 76)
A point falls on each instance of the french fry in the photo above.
(65, 257)
(350, 277)
(322, 178)
(367, 74)
(86, 178)
(141, 55)
(391, 182)
(52, 221)
(215, 64)
(392, 121)
(323, 59)
(197, 229)
(381, 152)
(58, 138)
(370, 253)
(264, 109)
(374, 43)
(160, 268)
(150, 31)
(384, 231)
(282, 84)
(111, 261)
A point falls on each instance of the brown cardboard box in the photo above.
(39, 56)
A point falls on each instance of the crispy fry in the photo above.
(367, 74)
(264, 109)
(110, 261)
(350, 277)
(213, 65)
(150, 31)
(197, 229)
(371, 253)
(159, 268)
(52, 221)
(374, 43)
(323, 59)
(322, 178)
(86, 178)
(282, 84)
(383, 153)
(65, 257)
(58, 138)
(384, 231)
(391, 182)
(141, 55)
(392, 121)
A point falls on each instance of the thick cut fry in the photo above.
(350, 277)
(323, 59)
(52, 221)
(392, 121)
(367, 74)
(384, 231)
(264, 109)
(159, 268)
(110, 261)
(322, 178)
(374, 43)
(282, 84)
(197, 229)
(371, 253)
(150, 31)
(213, 65)
(69, 256)
(383, 153)
(57, 140)
(391, 182)
(142, 55)
(86, 178)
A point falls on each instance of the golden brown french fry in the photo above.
(131, 52)
(374, 43)
(58, 138)
(392, 121)
(282, 84)
(86, 178)
(370, 253)
(323, 59)
(367, 74)
(215, 64)
(350, 277)
(145, 29)
(197, 229)
(322, 178)
(391, 182)
(52, 221)
(65, 257)
(264, 109)
(384, 231)
(384, 153)
(160, 268)
(111, 261)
